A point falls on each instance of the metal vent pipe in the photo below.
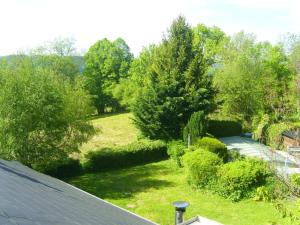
(180, 207)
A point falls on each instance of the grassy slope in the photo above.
(150, 189)
(112, 130)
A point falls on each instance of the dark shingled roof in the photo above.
(31, 198)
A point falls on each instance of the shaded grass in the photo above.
(112, 130)
(149, 191)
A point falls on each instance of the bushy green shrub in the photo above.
(61, 169)
(295, 180)
(213, 145)
(176, 150)
(275, 139)
(224, 128)
(201, 167)
(196, 127)
(260, 129)
(239, 179)
(139, 152)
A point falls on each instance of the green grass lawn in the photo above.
(113, 130)
(149, 191)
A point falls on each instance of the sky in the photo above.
(26, 24)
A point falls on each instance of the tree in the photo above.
(106, 64)
(138, 75)
(59, 56)
(42, 114)
(254, 79)
(178, 84)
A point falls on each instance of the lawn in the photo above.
(149, 190)
(112, 130)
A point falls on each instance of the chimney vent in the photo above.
(180, 207)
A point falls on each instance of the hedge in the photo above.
(136, 153)
(61, 168)
(224, 128)
(176, 150)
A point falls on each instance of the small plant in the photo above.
(213, 145)
(196, 127)
(176, 150)
(201, 167)
(295, 180)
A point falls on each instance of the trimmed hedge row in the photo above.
(61, 169)
(123, 156)
(224, 128)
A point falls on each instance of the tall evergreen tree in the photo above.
(179, 84)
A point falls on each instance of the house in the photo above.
(31, 198)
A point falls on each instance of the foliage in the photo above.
(201, 167)
(260, 129)
(42, 116)
(215, 146)
(176, 150)
(295, 180)
(196, 127)
(275, 139)
(238, 179)
(255, 79)
(138, 152)
(178, 83)
(234, 155)
(106, 63)
(224, 128)
(127, 90)
(63, 168)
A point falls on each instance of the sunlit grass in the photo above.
(112, 130)
(149, 191)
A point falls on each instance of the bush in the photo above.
(234, 155)
(224, 128)
(61, 169)
(176, 150)
(213, 145)
(295, 180)
(139, 152)
(260, 131)
(201, 167)
(239, 179)
(196, 127)
(275, 139)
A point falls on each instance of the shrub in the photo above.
(139, 152)
(61, 169)
(196, 127)
(224, 128)
(201, 167)
(176, 150)
(295, 180)
(275, 139)
(260, 131)
(213, 145)
(239, 179)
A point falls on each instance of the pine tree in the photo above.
(178, 85)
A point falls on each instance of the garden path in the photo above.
(249, 147)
